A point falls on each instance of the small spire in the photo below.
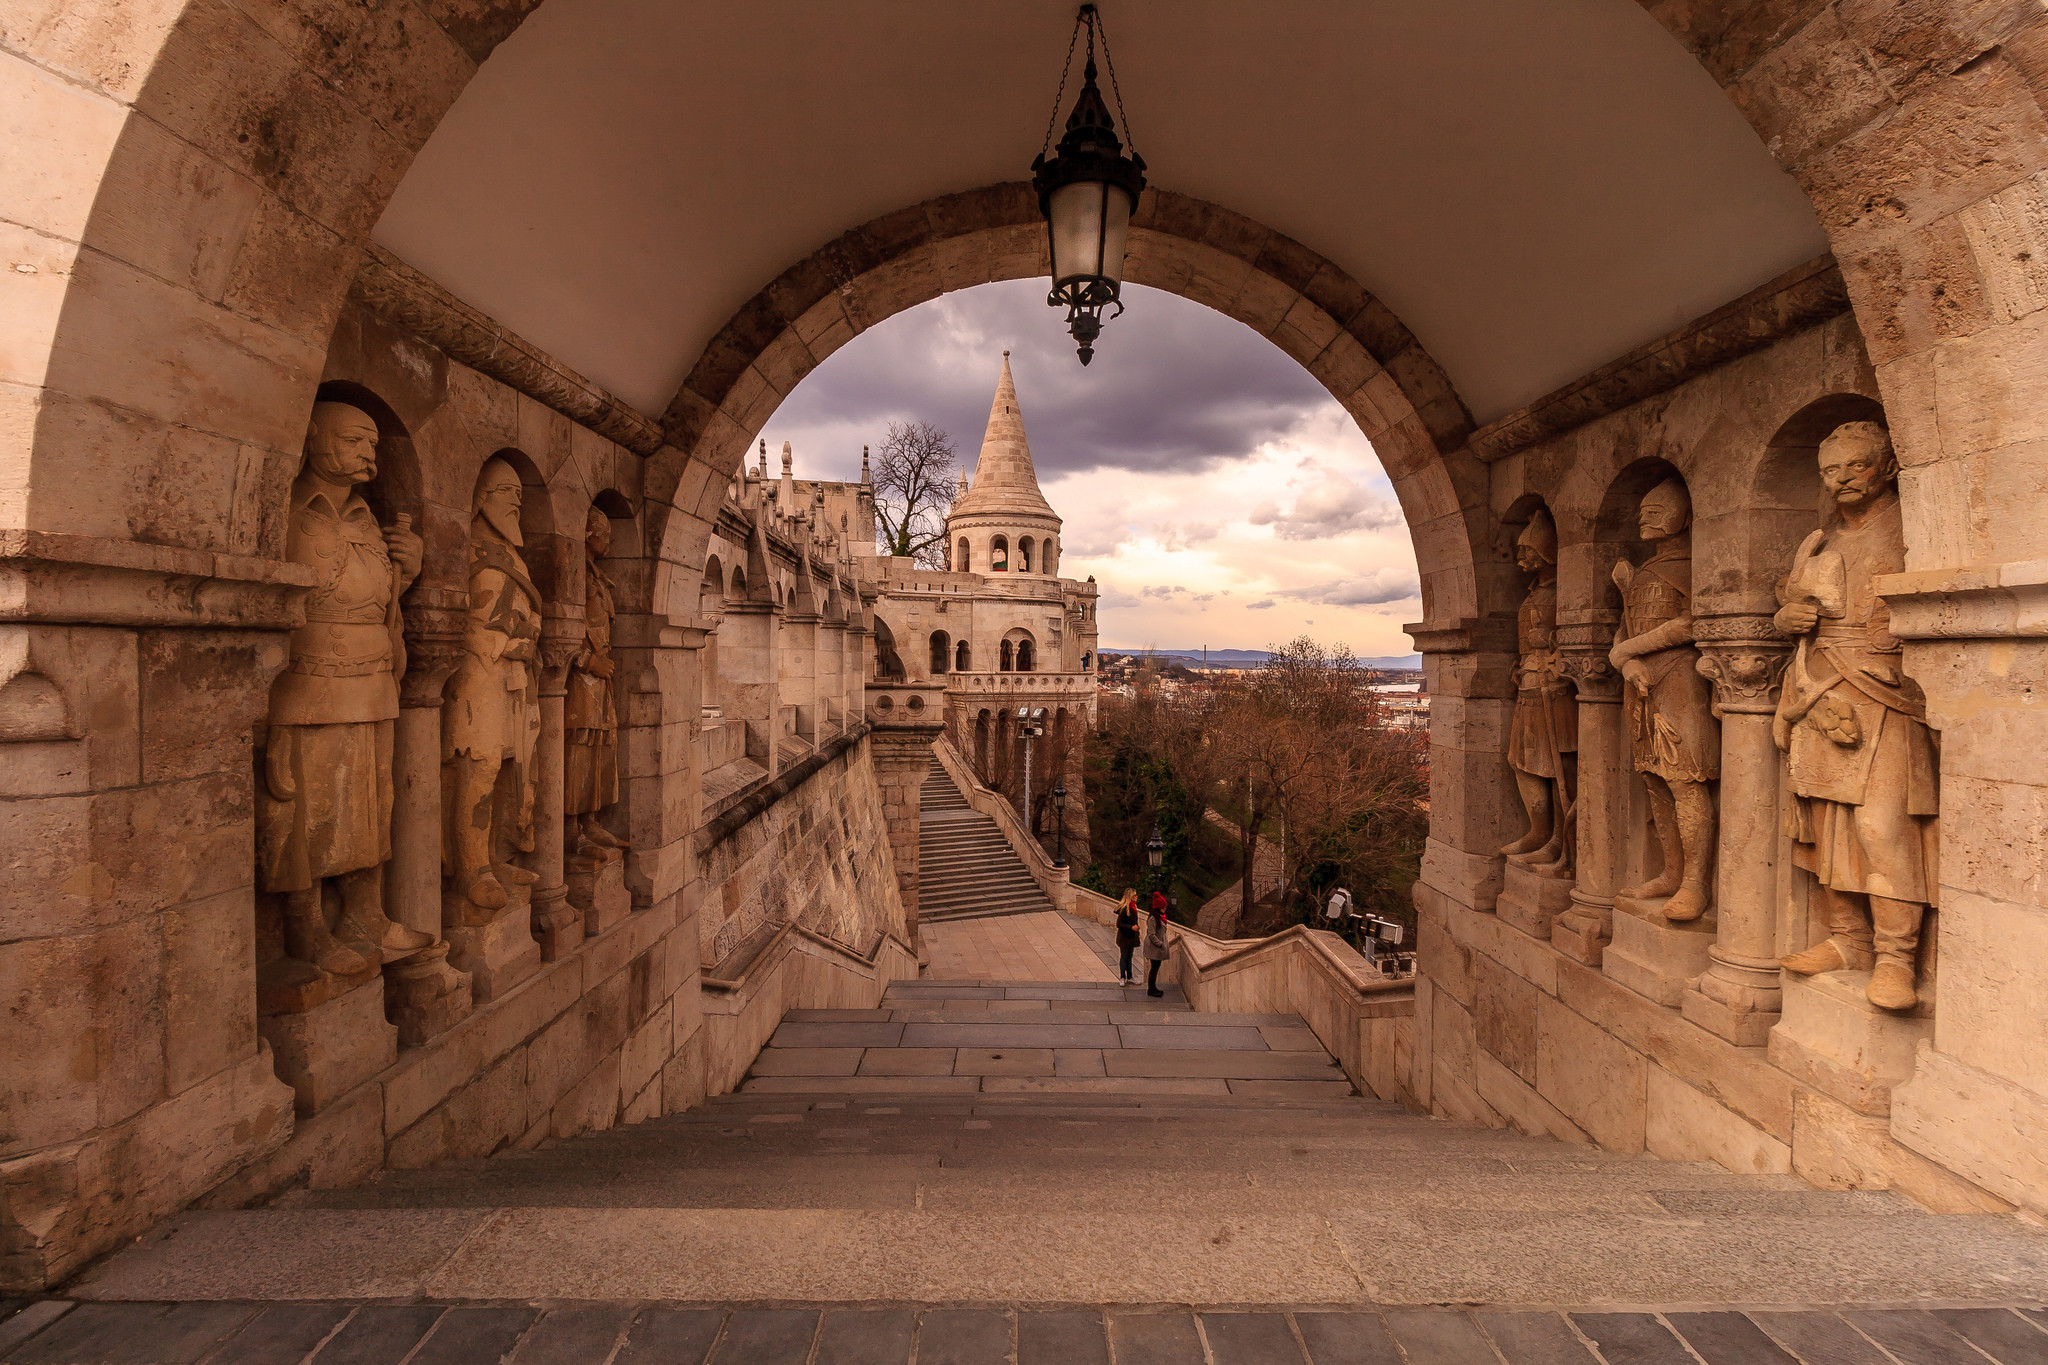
(764, 458)
(787, 460)
(864, 466)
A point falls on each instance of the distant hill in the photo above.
(1246, 658)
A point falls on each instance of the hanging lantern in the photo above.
(1087, 192)
(1155, 847)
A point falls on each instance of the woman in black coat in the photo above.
(1127, 937)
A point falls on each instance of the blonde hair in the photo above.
(1130, 899)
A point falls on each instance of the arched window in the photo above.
(739, 583)
(1024, 554)
(963, 560)
(941, 652)
(999, 555)
(1087, 662)
(711, 593)
(1003, 657)
(1049, 556)
(1024, 656)
(961, 655)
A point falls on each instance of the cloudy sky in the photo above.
(1215, 490)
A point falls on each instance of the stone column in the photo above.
(1583, 931)
(906, 720)
(433, 649)
(1738, 997)
(557, 924)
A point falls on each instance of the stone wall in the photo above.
(1548, 1001)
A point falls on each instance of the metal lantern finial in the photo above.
(1088, 191)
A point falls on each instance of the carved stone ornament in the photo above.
(1745, 676)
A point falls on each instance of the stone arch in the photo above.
(963, 558)
(711, 598)
(941, 653)
(1024, 548)
(1049, 557)
(999, 554)
(963, 657)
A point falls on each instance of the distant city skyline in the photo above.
(1208, 482)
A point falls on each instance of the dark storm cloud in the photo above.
(1173, 385)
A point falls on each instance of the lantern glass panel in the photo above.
(1083, 245)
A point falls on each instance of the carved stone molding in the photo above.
(1796, 300)
(1743, 629)
(414, 303)
(1464, 635)
(1745, 674)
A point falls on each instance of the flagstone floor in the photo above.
(1047, 946)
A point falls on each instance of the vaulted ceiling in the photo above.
(1534, 187)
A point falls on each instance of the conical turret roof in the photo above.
(1005, 484)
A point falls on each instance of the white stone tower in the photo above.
(1003, 524)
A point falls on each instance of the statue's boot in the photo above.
(363, 919)
(1687, 904)
(1891, 984)
(595, 833)
(307, 937)
(1528, 843)
(1693, 813)
(513, 874)
(1664, 823)
(1830, 955)
(482, 894)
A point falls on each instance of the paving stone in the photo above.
(1154, 1339)
(860, 1085)
(907, 1061)
(670, 1336)
(995, 1008)
(1915, 1338)
(134, 1334)
(875, 1016)
(1070, 1338)
(474, 1336)
(1201, 1040)
(1291, 1090)
(1007, 1035)
(766, 1336)
(573, 1336)
(1283, 1039)
(1346, 1339)
(379, 1334)
(1728, 1339)
(1016, 1061)
(1263, 1066)
(924, 990)
(963, 1336)
(1090, 994)
(1632, 1339)
(1250, 1339)
(2005, 1336)
(1534, 1339)
(281, 1332)
(1108, 1085)
(1067, 1061)
(1440, 1338)
(874, 1336)
(806, 1061)
(25, 1320)
(837, 1035)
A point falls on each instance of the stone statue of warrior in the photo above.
(1862, 759)
(1543, 736)
(1674, 740)
(323, 808)
(591, 780)
(491, 722)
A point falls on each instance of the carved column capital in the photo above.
(1744, 658)
(560, 638)
(1582, 652)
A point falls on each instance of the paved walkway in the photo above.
(1037, 947)
(956, 1038)
(635, 1334)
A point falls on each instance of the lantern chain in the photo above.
(1065, 71)
(1095, 26)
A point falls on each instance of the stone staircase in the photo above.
(966, 868)
(1072, 1144)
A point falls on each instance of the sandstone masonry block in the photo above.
(1595, 1081)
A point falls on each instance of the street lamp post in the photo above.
(1030, 726)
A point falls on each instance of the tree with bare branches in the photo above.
(913, 478)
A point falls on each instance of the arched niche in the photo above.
(1786, 498)
(544, 552)
(1024, 548)
(963, 558)
(999, 555)
(397, 489)
(940, 651)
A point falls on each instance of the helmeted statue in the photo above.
(1862, 760)
(323, 808)
(1543, 735)
(491, 722)
(591, 773)
(1674, 740)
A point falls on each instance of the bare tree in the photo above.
(913, 479)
